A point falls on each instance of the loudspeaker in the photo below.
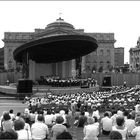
(24, 88)
(107, 81)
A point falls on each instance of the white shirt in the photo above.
(130, 124)
(120, 113)
(24, 134)
(39, 130)
(107, 123)
(87, 114)
(114, 119)
(49, 119)
(91, 132)
(122, 131)
(136, 132)
(12, 115)
(96, 113)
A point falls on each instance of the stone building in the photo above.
(1, 59)
(134, 57)
(100, 60)
(103, 58)
(119, 57)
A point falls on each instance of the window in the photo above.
(101, 63)
(101, 52)
(108, 52)
(108, 62)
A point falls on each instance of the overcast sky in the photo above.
(119, 17)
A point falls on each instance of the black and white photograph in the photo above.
(70, 70)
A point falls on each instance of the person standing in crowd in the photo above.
(39, 129)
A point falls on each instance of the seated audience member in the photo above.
(82, 120)
(18, 115)
(107, 124)
(96, 113)
(91, 131)
(114, 116)
(120, 127)
(136, 131)
(49, 117)
(68, 118)
(120, 112)
(64, 136)
(8, 135)
(96, 121)
(26, 115)
(19, 128)
(130, 124)
(26, 126)
(115, 135)
(58, 128)
(12, 115)
(7, 123)
(32, 117)
(39, 129)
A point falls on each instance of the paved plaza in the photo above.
(16, 105)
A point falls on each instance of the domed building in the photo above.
(58, 50)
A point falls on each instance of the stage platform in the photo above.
(42, 90)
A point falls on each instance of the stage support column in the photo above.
(73, 68)
(32, 70)
(25, 68)
(63, 69)
(56, 68)
(83, 67)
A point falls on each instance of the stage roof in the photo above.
(56, 48)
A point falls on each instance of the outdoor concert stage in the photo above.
(43, 90)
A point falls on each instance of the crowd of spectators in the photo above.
(114, 114)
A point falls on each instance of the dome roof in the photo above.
(60, 23)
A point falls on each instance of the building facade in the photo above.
(102, 60)
(134, 57)
(1, 59)
(119, 57)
